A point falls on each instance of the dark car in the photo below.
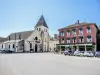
(7, 51)
(97, 54)
(2, 51)
(68, 52)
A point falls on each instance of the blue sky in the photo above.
(22, 15)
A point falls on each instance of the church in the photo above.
(37, 40)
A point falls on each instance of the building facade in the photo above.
(80, 36)
(37, 40)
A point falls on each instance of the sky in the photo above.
(22, 15)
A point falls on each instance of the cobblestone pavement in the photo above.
(47, 64)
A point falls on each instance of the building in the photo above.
(32, 41)
(98, 39)
(82, 36)
(56, 36)
(2, 39)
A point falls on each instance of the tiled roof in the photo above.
(41, 22)
(23, 35)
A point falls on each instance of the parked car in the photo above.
(7, 51)
(81, 53)
(77, 53)
(66, 52)
(0, 51)
(97, 54)
(88, 54)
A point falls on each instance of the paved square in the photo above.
(47, 64)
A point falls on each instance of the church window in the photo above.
(2, 45)
(9, 46)
(36, 38)
(30, 45)
(13, 46)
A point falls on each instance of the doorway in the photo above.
(35, 47)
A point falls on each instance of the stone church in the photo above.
(37, 40)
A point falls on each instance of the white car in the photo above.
(97, 54)
(76, 53)
(88, 54)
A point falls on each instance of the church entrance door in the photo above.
(35, 47)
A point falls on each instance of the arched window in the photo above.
(37, 28)
(2, 45)
(36, 38)
(13, 46)
(30, 45)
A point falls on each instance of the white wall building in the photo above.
(35, 40)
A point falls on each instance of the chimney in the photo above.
(77, 22)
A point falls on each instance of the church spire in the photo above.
(41, 22)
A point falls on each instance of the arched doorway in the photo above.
(31, 47)
(35, 47)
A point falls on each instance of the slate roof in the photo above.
(2, 39)
(41, 22)
(23, 35)
(80, 24)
